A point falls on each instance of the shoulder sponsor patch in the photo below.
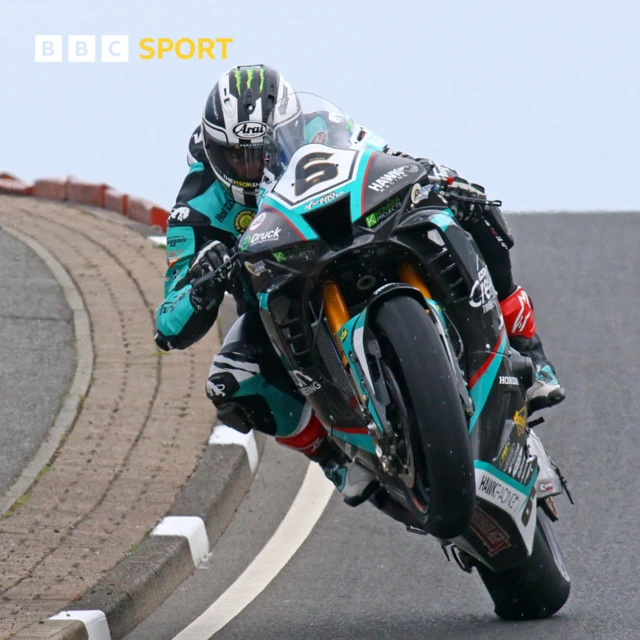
(180, 214)
(243, 220)
(180, 242)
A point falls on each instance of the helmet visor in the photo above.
(242, 165)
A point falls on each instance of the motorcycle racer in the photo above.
(217, 202)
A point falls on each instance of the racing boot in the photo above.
(355, 483)
(517, 311)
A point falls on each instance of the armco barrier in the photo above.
(13, 186)
(81, 192)
(116, 201)
(146, 212)
(95, 194)
(51, 188)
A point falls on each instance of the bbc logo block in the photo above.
(82, 48)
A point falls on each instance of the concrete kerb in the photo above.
(81, 381)
(140, 582)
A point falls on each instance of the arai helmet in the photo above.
(234, 124)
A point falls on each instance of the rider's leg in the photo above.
(251, 389)
(494, 240)
(520, 322)
(355, 482)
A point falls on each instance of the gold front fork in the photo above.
(335, 309)
(410, 275)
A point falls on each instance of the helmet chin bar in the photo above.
(242, 195)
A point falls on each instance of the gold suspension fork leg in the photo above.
(335, 308)
(410, 275)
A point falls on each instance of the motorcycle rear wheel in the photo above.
(536, 588)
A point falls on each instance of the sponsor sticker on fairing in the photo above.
(255, 268)
(297, 253)
(258, 220)
(419, 192)
(489, 531)
(326, 199)
(259, 238)
(390, 178)
(482, 293)
(381, 214)
(498, 493)
(520, 420)
(306, 385)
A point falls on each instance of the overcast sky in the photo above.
(539, 101)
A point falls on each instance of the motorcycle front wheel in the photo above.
(412, 348)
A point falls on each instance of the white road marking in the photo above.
(192, 528)
(308, 506)
(94, 621)
(160, 241)
(222, 435)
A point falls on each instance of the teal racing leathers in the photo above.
(247, 368)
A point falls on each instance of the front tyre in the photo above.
(439, 437)
(536, 588)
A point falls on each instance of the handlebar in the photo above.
(441, 185)
(216, 273)
(447, 188)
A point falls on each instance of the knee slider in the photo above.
(221, 387)
(246, 413)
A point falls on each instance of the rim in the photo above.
(399, 419)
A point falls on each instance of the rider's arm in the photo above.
(179, 324)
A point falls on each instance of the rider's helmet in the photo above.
(234, 124)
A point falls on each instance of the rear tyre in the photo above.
(536, 588)
(413, 349)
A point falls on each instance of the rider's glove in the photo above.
(211, 257)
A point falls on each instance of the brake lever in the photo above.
(441, 187)
(197, 283)
(472, 200)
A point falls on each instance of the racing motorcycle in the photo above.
(382, 310)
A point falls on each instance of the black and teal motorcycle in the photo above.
(383, 311)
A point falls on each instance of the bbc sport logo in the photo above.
(116, 48)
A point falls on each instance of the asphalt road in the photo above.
(37, 358)
(360, 575)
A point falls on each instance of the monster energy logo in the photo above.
(249, 79)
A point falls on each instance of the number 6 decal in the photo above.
(312, 169)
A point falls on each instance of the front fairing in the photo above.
(292, 249)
